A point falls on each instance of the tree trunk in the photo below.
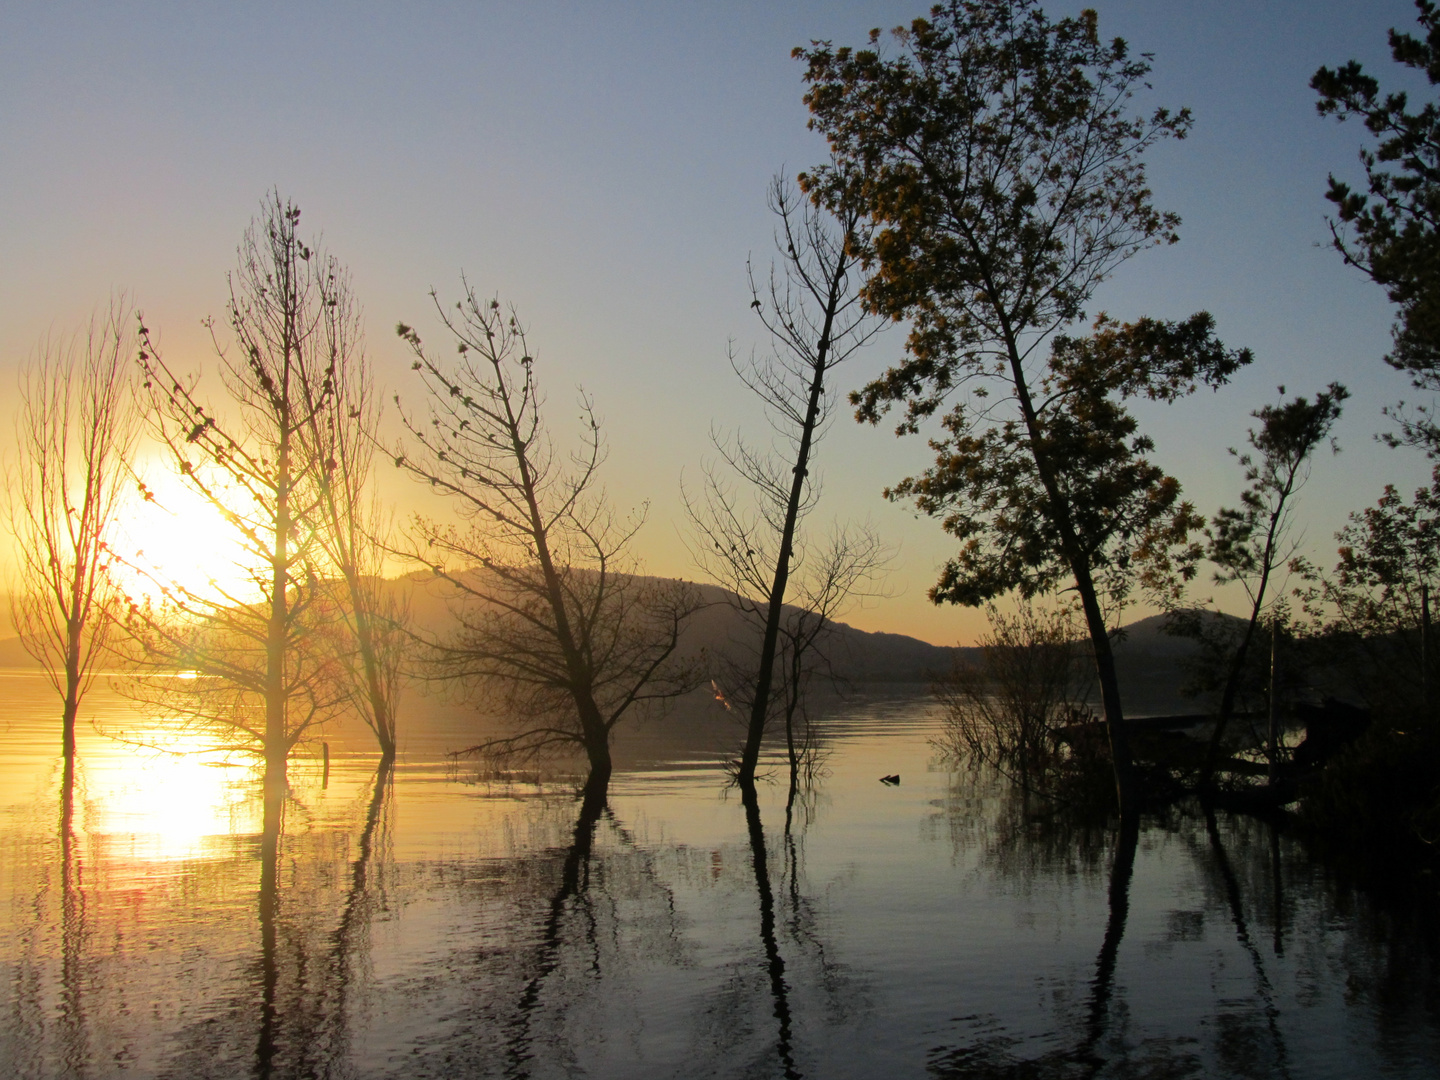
(72, 699)
(1126, 792)
(277, 744)
(775, 602)
(1079, 563)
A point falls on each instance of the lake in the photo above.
(435, 924)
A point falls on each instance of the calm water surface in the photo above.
(425, 924)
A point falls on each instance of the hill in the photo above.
(720, 631)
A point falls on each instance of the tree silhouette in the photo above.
(1251, 543)
(551, 622)
(353, 525)
(998, 159)
(1391, 230)
(752, 541)
(75, 432)
(265, 656)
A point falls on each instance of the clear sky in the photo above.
(604, 165)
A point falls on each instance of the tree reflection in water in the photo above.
(76, 1053)
(1264, 992)
(774, 962)
(574, 887)
(513, 932)
(1021, 841)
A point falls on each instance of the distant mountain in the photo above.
(721, 631)
(1151, 662)
(13, 654)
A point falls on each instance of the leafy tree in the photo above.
(75, 432)
(1005, 175)
(267, 656)
(549, 618)
(753, 540)
(1371, 609)
(1391, 230)
(1251, 543)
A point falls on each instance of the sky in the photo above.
(603, 167)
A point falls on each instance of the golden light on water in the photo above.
(163, 804)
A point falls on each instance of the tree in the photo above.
(550, 618)
(75, 432)
(1008, 707)
(1392, 230)
(353, 525)
(1373, 608)
(1005, 176)
(1251, 543)
(268, 665)
(813, 315)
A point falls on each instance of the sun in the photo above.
(178, 538)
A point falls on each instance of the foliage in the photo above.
(1004, 173)
(753, 540)
(1390, 231)
(1367, 616)
(999, 160)
(75, 432)
(552, 621)
(1031, 497)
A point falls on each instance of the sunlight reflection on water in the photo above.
(440, 924)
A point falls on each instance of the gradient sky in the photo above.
(603, 166)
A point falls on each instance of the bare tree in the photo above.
(266, 661)
(1253, 544)
(1009, 707)
(749, 536)
(550, 619)
(353, 525)
(75, 431)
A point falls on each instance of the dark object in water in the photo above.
(893, 779)
(1329, 727)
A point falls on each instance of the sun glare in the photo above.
(180, 538)
(164, 804)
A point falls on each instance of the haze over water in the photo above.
(439, 926)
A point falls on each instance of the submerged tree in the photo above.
(1392, 230)
(75, 432)
(752, 540)
(1009, 707)
(551, 618)
(353, 525)
(265, 654)
(1250, 544)
(1004, 173)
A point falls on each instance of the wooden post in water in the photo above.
(325, 779)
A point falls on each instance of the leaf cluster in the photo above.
(1368, 613)
(1001, 161)
(987, 484)
(1391, 230)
